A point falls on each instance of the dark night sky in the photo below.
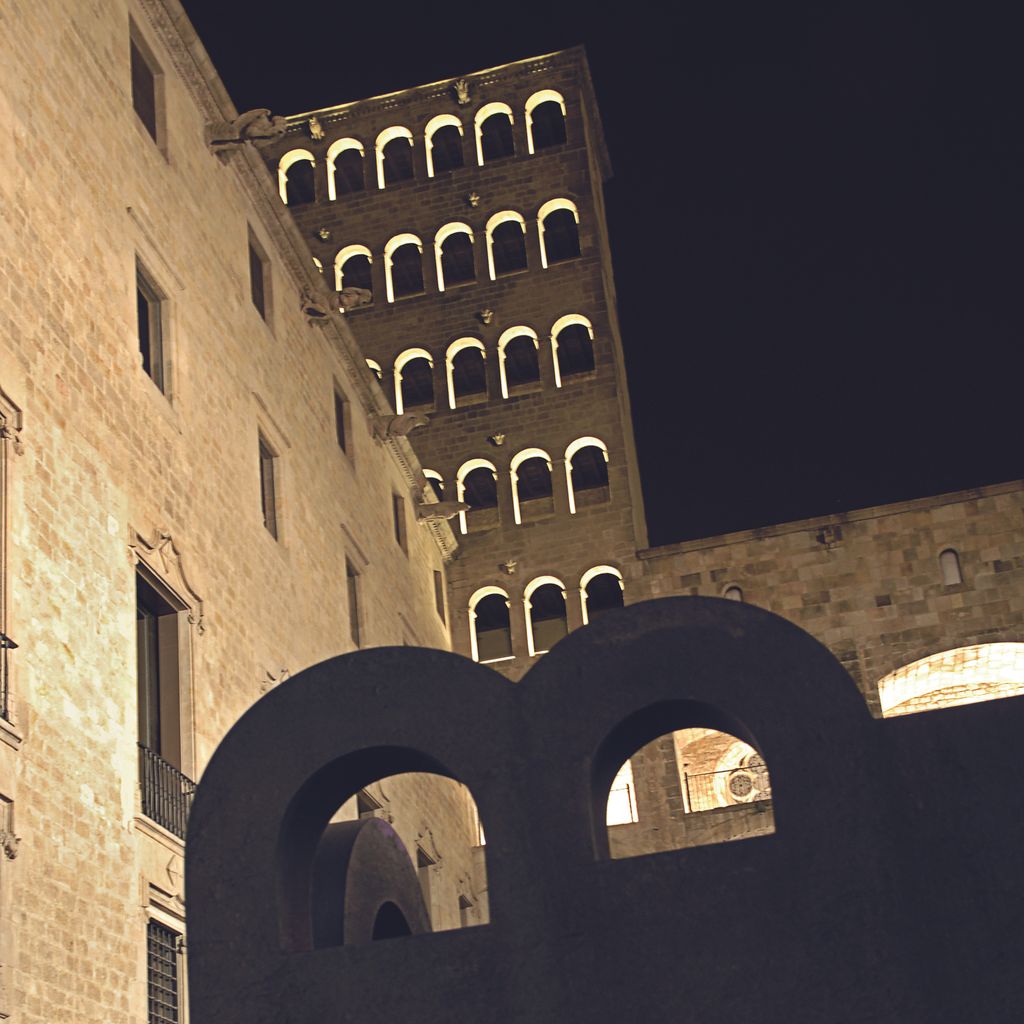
(816, 215)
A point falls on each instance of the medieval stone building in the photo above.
(210, 478)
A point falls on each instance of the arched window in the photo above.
(494, 139)
(506, 243)
(375, 369)
(732, 593)
(443, 137)
(544, 599)
(295, 177)
(453, 253)
(476, 483)
(345, 159)
(572, 347)
(467, 373)
(403, 266)
(436, 481)
(949, 565)
(414, 380)
(558, 220)
(518, 364)
(352, 268)
(394, 156)
(490, 634)
(951, 678)
(545, 120)
(586, 472)
(601, 590)
(530, 471)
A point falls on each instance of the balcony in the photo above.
(166, 792)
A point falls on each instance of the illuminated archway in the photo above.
(352, 178)
(285, 164)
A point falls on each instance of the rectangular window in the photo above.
(166, 790)
(8, 849)
(352, 579)
(163, 947)
(398, 518)
(10, 429)
(439, 593)
(340, 415)
(268, 487)
(258, 279)
(149, 308)
(143, 89)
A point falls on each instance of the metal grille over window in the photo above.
(162, 973)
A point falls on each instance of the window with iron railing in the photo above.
(163, 954)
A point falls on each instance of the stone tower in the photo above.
(463, 224)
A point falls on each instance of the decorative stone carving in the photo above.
(162, 558)
(9, 843)
(353, 298)
(257, 126)
(461, 90)
(439, 511)
(316, 132)
(509, 567)
(314, 309)
(473, 199)
(271, 679)
(387, 427)
(496, 440)
(485, 316)
(12, 434)
(324, 234)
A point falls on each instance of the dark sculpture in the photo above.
(890, 892)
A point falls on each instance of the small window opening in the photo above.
(439, 594)
(546, 617)
(143, 89)
(397, 159)
(469, 374)
(340, 421)
(398, 520)
(949, 564)
(417, 384)
(561, 236)
(691, 787)
(496, 140)
(533, 479)
(547, 124)
(349, 174)
(603, 594)
(149, 308)
(447, 152)
(481, 489)
(492, 631)
(352, 583)
(522, 366)
(268, 486)
(589, 470)
(732, 593)
(407, 270)
(508, 247)
(457, 259)
(257, 279)
(575, 351)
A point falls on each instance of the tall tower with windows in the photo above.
(463, 224)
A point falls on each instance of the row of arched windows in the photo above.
(531, 477)
(544, 605)
(465, 365)
(444, 149)
(454, 253)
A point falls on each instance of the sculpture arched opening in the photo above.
(693, 786)
(365, 855)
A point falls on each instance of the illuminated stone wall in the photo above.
(109, 461)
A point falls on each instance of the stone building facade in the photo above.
(191, 441)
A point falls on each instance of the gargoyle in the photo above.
(353, 298)
(439, 511)
(257, 126)
(387, 427)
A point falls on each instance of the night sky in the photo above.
(816, 215)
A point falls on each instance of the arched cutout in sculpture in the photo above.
(720, 780)
(948, 679)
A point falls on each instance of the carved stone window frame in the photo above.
(10, 444)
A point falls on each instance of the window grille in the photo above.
(162, 973)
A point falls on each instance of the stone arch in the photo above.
(454, 350)
(511, 255)
(561, 218)
(334, 151)
(284, 166)
(392, 249)
(495, 647)
(513, 334)
(540, 99)
(589, 577)
(384, 139)
(581, 358)
(461, 271)
(540, 638)
(344, 255)
(574, 448)
(434, 125)
(495, 138)
(521, 457)
(401, 361)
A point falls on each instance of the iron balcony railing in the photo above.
(727, 787)
(166, 792)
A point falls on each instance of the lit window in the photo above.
(345, 159)
(546, 623)
(394, 156)
(518, 362)
(466, 369)
(295, 177)
(490, 633)
(494, 138)
(150, 325)
(530, 472)
(506, 244)
(443, 136)
(353, 268)
(414, 380)
(572, 346)
(403, 266)
(601, 590)
(586, 472)
(453, 250)
(545, 120)
(476, 483)
(558, 222)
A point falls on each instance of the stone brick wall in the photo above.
(110, 462)
(547, 417)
